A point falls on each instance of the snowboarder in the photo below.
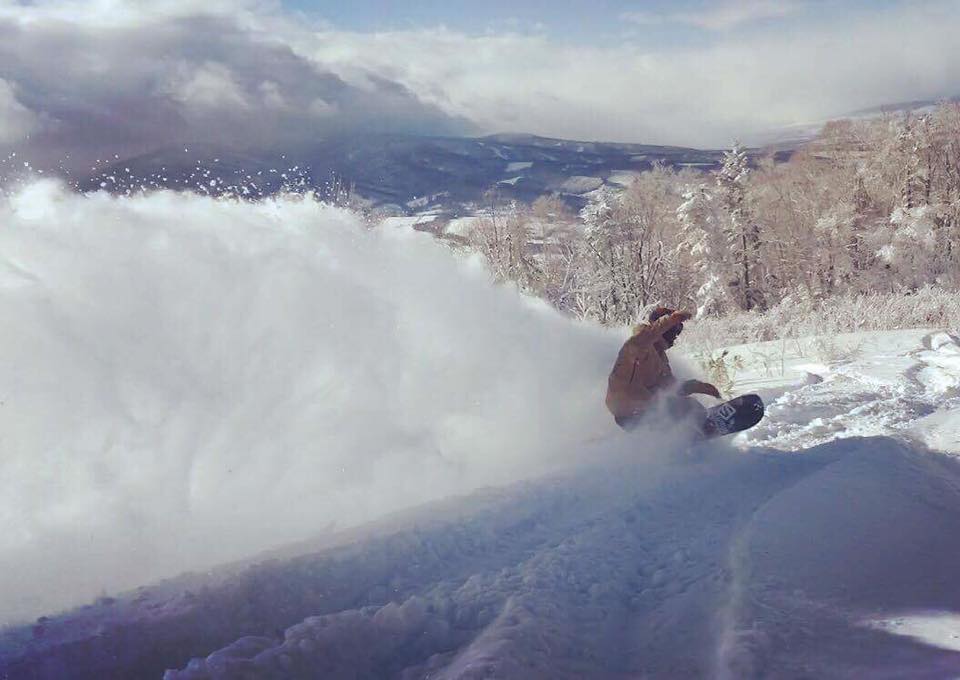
(641, 387)
(641, 383)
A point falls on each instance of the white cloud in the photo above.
(255, 76)
(720, 16)
(703, 95)
(209, 86)
(122, 13)
(155, 75)
(272, 95)
(321, 108)
(16, 121)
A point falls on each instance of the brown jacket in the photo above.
(642, 368)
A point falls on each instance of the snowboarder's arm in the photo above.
(698, 387)
(655, 329)
(665, 323)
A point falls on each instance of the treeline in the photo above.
(869, 206)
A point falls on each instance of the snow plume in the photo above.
(188, 380)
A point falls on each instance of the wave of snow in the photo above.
(188, 380)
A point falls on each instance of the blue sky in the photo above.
(656, 23)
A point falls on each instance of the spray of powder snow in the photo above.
(186, 381)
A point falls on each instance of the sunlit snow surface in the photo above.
(235, 410)
(818, 389)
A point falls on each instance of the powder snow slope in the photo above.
(726, 564)
(821, 544)
(836, 560)
(899, 382)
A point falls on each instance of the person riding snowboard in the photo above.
(641, 386)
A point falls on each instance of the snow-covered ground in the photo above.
(901, 383)
(538, 541)
(821, 544)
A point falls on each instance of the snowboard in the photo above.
(735, 415)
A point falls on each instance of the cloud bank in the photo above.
(734, 86)
(188, 380)
(97, 77)
(16, 121)
(86, 80)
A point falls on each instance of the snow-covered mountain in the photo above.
(404, 174)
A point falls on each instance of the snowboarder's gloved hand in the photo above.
(710, 390)
(697, 387)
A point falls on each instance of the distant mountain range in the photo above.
(407, 175)
(404, 175)
(791, 136)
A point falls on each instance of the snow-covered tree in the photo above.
(742, 230)
(907, 246)
(503, 237)
(870, 205)
(915, 141)
(628, 259)
(833, 260)
(701, 249)
(606, 286)
(555, 244)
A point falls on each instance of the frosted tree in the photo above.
(555, 241)
(946, 189)
(629, 264)
(833, 261)
(605, 284)
(915, 142)
(870, 204)
(648, 208)
(701, 249)
(741, 229)
(907, 247)
(915, 245)
(862, 220)
(503, 237)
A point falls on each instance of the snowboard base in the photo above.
(732, 416)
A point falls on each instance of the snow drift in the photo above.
(187, 381)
